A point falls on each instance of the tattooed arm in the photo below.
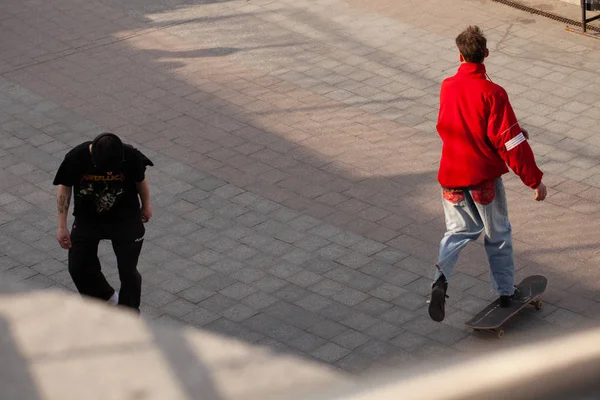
(63, 201)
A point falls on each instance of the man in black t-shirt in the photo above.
(107, 180)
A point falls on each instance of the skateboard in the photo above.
(492, 317)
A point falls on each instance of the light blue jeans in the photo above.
(469, 213)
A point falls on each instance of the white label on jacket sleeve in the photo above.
(514, 142)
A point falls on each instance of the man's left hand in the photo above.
(146, 213)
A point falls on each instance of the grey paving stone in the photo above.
(311, 243)
(410, 341)
(289, 236)
(238, 291)
(325, 231)
(349, 296)
(239, 312)
(332, 252)
(421, 325)
(48, 267)
(279, 248)
(284, 270)
(378, 349)
(353, 279)
(368, 247)
(326, 288)
(351, 339)
(397, 316)
(175, 284)
(346, 239)
(200, 317)
(336, 312)
(319, 266)
(330, 352)
(307, 342)
(264, 206)
(248, 275)
(196, 293)
(210, 184)
(304, 278)
(327, 329)
(196, 273)
(358, 321)
(226, 266)
(378, 269)
(564, 318)
(298, 257)
(272, 327)
(354, 260)
(447, 335)
(269, 284)
(390, 255)
(304, 223)
(178, 308)
(259, 300)
(216, 282)
(159, 298)
(410, 301)
(217, 303)
(355, 362)
(292, 293)
(313, 302)
(373, 306)
(228, 191)
(229, 328)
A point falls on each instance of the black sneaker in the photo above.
(437, 310)
(506, 301)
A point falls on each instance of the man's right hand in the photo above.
(63, 237)
(540, 192)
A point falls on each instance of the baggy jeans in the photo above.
(470, 212)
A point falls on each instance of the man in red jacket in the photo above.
(480, 136)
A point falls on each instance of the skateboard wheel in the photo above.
(500, 333)
(539, 305)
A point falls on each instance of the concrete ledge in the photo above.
(57, 346)
(564, 368)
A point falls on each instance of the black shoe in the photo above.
(506, 301)
(437, 310)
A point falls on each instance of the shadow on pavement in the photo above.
(406, 193)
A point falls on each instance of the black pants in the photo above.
(127, 237)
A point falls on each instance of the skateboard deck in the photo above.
(493, 316)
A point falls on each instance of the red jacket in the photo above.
(480, 132)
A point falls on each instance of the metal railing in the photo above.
(588, 5)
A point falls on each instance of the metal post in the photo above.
(583, 16)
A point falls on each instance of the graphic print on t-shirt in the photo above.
(102, 189)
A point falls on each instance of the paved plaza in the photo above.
(294, 189)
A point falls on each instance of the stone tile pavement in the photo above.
(295, 197)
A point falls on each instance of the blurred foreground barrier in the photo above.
(567, 369)
(55, 345)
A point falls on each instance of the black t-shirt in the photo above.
(103, 195)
